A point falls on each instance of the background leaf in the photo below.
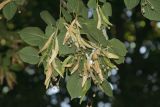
(9, 10)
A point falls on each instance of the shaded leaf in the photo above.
(29, 55)
(49, 30)
(72, 5)
(66, 15)
(92, 4)
(33, 36)
(74, 85)
(118, 47)
(20, 2)
(97, 35)
(107, 9)
(9, 10)
(106, 88)
(131, 3)
(47, 18)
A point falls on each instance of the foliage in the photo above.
(76, 46)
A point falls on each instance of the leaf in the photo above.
(151, 10)
(47, 18)
(6, 61)
(107, 9)
(106, 88)
(9, 10)
(102, 1)
(20, 2)
(74, 85)
(49, 30)
(29, 55)
(60, 23)
(92, 4)
(33, 36)
(66, 15)
(117, 46)
(72, 5)
(83, 11)
(93, 33)
(131, 3)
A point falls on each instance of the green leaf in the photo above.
(29, 55)
(131, 3)
(66, 15)
(93, 34)
(151, 9)
(75, 6)
(72, 5)
(47, 18)
(9, 10)
(83, 11)
(117, 46)
(92, 4)
(60, 23)
(49, 30)
(6, 61)
(107, 9)
(33, 36)
(20, 2)
(102, 1)
(106, 88)
(74, 85)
